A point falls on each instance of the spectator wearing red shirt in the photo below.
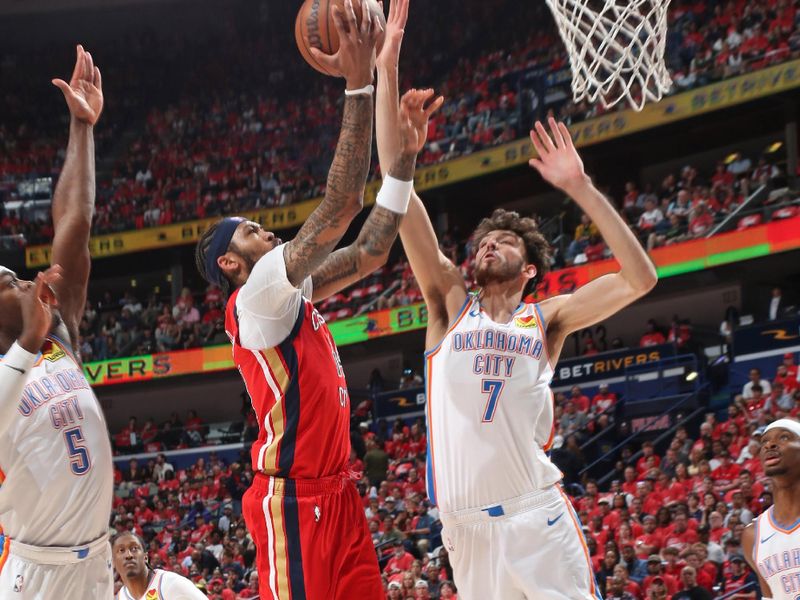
(652, 337)
(399, 562)
(647, 452)
(580, 399)
(726, 474)
(655, 572)
(630, 485)
(791, 368)
(672, 564)
(701, 222)
(681, 536)
(603, 400)
(649, 542)
(717, 529)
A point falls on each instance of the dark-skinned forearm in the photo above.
(344, 195)
(371, 248)
(350, 166)
(74, 195)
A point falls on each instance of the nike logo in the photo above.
(551, 522)
(17, 369)
(768, 538)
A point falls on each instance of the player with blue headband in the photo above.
(303, 510)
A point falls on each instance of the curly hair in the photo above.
(537, 250)
(200, 252)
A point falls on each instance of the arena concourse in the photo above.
(211, 112)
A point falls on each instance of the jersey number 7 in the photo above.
(493, 387)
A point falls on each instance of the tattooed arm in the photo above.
(371, 249)
(344, 197)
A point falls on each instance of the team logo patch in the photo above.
(53, 352)
(528, 322)
(19, 580)
(151, 595)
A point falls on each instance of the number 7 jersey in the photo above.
(489, 410)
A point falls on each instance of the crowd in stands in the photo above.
(668, 528)
(197, 154)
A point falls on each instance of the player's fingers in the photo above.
(556, 133)
(402, 9)
(98, 79)
(366, 19)
(64, 87)
(536, 164)
(328, 61)
(566, 135)
(434, 106)
(537, 144)
(544, 138)
(350, 16)
(89, 66)
(76, 72)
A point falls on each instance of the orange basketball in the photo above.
(314, 28)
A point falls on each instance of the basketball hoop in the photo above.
(616, 49)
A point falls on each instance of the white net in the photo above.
(616, 49)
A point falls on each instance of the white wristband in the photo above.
(18, 359)
(365, 91)
(395, 195)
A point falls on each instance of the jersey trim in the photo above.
(297, 584)
(430, 462)
(576, 523)
(5, 544)
(791, 529)
(549, 443)
(274, 421)
(292, 401)
(544, 339)
(756, 540)
(461, 314)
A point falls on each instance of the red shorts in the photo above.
(312, 540)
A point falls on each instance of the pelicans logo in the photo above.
(528, 322)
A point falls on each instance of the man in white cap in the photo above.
(772, 543)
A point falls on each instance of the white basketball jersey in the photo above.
(166, 586)
(776, 553)
(55, 459)
(489, 409)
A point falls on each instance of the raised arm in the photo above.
(344, 196)
(73, 200)
(560, 165)
(371, 249)
(439, 279)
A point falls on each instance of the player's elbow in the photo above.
(644, 281)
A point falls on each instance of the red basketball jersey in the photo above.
(299, 394)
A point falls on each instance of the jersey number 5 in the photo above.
(79, 461)
(493, 387)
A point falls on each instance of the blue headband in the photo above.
(219, 246)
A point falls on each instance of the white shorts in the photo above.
(82, 573)
(529, 548)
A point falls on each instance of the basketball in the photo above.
(314, 28)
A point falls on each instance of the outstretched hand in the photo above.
(395, 29)
(84, 92)
(355, 59)
(38, 302)
(414, 117)
(558, 163)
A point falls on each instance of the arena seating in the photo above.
(225, 154)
